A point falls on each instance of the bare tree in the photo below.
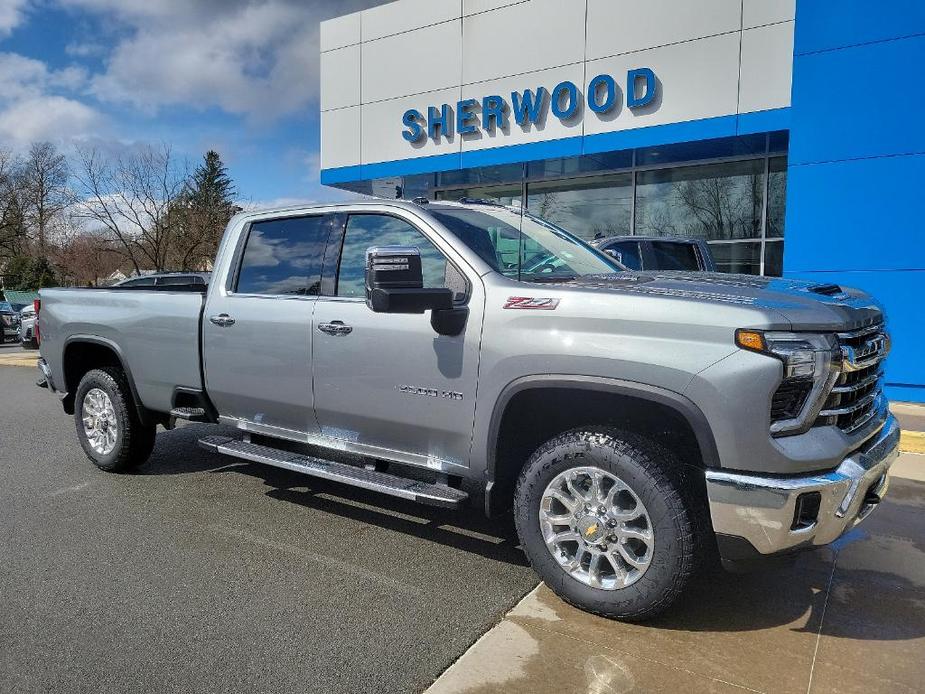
(133, 199)
(12, 222)
(43, 183)
(86, 257)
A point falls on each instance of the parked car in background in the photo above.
(161, 279)
(27, 336)
(9, 322)
(658, 253)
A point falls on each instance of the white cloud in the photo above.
(37, 103)
(12, 13)
(256, 59)
(45, 117)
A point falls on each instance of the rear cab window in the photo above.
(675, 255)
(283, 257)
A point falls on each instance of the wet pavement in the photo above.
(850, 618)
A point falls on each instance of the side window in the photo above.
(142, 282)
(365, 230)
(627, 252)
(283, 256)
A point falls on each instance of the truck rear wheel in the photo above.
(604, 519)
(108, 426)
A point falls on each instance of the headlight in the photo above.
(808, 361)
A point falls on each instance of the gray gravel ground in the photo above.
(196, 575)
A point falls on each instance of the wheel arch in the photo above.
(500, 474)
(81, 354)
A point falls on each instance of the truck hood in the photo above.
(806, 305)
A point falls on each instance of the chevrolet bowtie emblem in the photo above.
(591, 530)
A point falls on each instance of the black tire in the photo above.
(656, 476)
(134, 440)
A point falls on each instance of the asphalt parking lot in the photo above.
(198, 576)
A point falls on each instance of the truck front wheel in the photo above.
(605, 520)
(108, 426)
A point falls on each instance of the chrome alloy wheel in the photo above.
(596, 528)
(100, 423)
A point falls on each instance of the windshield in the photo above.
(524, 247)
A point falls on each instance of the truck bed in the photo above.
(155, 331)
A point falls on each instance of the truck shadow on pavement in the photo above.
(466, 530)
(869, 585)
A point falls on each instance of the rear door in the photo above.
(257, 329)
(389, 382)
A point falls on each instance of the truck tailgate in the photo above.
(156, 334)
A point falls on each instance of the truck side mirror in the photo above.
(395, 282)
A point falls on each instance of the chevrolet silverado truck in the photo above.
(637, 423)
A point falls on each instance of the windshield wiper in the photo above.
(549, 278)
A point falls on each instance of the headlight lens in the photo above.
(807, 378)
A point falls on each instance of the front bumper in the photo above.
(762, 510)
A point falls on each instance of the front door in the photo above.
(388, 381)
(257, 332)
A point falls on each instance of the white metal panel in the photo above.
(767, 67)
(417, 61)
(622, 26)
(697, 79)
(759, 12)
(398, 17)
(340, 31)
(522, 38)
(340, 78)
(552, 128)
(382, 128)
(340, 137)
(474, 6)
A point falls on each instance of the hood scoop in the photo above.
(828, 290)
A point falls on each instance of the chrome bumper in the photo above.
(45, 379)
(762, 510)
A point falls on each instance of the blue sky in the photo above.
(237, 76)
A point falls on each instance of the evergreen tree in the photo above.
(202, 213)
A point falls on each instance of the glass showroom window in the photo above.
(722, 203)
(591, 208)
(504, 195)
(774, 228)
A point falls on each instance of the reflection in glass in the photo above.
(366, 230)
(738, 257)
(283, 256)
(591, 208)
(504, 195)
(713, 202)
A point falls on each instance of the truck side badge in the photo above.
(531, 303)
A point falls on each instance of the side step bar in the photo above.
(191, 414)
(413, 490)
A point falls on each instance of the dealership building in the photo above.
(788, 134)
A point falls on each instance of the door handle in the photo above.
(335, 327)
(222, 320)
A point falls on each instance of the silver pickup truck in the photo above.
(638, 423)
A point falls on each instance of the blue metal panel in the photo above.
(862, 214)
(899, 293)
(857, 159)
(763, 121)
(825, 25)
(515, 154)
(859, 102)
(704, 129)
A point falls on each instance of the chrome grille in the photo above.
(853, 401)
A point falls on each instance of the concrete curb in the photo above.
(912, 442)
(18, 360)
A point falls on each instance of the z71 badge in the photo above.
(531, 303)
